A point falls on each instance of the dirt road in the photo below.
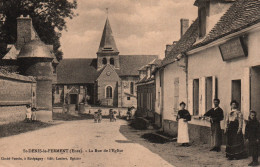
(76, 143)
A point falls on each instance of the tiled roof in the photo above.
(184, 44)
(75, 71)
(240, 15)
(130, 64)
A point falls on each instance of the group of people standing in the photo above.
(235, 148)
(30, 114)
(98, 116)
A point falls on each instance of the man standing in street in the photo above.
(216, 115)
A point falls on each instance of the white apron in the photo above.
(183, 133)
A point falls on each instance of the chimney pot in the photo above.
(184, 26)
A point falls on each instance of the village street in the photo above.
(85, 136)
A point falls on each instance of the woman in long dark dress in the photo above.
(235, 143)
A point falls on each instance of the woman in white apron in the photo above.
(183, 132)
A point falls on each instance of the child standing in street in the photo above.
(28, 113)
(99, 115)
(252, 134)
(111, 115)
(114, 116)
(95, 117)
(34, 114)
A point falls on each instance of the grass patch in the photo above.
(20, 127)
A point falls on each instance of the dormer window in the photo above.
(202, 22)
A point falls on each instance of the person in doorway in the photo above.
(252, 134)
(235, 143)
(216, 115)
(28, 113)
(183, 132)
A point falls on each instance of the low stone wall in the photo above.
(10, 114)
(197, 133)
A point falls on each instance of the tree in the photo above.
(48, 19)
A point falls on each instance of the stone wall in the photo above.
(16, 90)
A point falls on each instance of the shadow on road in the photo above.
(16, 128)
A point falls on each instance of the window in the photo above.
(104, 61)
(109, 92)
(112, 61)
(128, 98)
(176, 94)
(132, 88)
(196, 97)
(202, 22)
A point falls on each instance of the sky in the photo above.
(139, 26)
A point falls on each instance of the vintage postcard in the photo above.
(148, 83)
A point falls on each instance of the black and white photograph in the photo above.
(129, 83)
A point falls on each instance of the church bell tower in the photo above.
(107, 51)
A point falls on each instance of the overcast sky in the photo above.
(139, 26)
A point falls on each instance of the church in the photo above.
(107, 80)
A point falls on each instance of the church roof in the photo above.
(77, 71)
(130, 64)
(107, 43)
(80, 71)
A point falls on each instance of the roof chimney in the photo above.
(24, 30)
(184, 26)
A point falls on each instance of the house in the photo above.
(146, 90)
(108, 80)
(217, 57)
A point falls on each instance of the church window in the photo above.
(132, 88)
(128, 98)
(112, 61)
(108, 92)
(104, 61)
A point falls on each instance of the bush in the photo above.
(140, 123)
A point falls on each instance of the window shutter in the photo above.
(190, 95)
(214, 89)
(202, 95)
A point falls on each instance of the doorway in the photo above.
(255, 90)
(236, 91)
(73, 99)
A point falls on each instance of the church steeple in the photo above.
(107, 43)
(107, 51)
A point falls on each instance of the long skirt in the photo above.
(183, 132)
(235, 142)
(216, 134)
